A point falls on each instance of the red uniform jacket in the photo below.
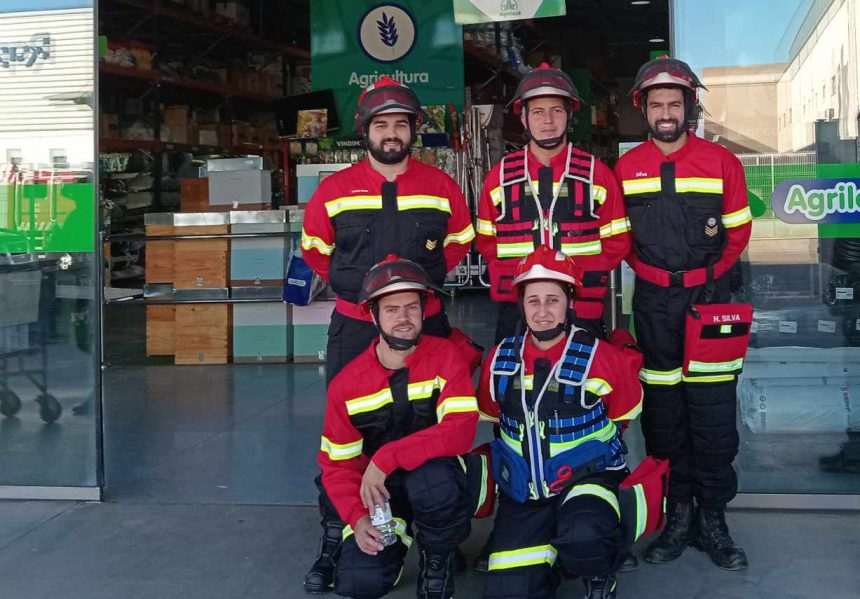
(356, 218)
(362, 391)
(613, 377)
(687, 211)
(596, 257)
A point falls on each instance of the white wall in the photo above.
(29, 120)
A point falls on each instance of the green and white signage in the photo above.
(468, 12)
(355, 42)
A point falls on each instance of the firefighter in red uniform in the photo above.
(398, 419)
(690, 220)
(550, 193)
(386, 204)
(561, 399)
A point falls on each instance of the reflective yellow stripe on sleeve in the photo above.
(311, 242)
(738, 218)
(486, 227)
(634, 412)
(463, 237)
(519, 558)
(341, 451)
(598, 386)
(597, 491)
(598, 193)
(616, 227)
(497, 195)
(455, 404)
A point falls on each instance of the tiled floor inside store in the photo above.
(209, 494)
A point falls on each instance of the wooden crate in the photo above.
(159, 255)
(160, 323)
(201, 262)
(203, 333)
(194, 195)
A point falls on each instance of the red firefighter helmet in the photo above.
(545, 264)
(393, 275)
(546, 80)
(665, 72)
(386, 96)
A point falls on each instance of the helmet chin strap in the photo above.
(550, 334)
(551, 143)
(395, 343)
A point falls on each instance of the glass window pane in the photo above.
(48, 312)
(783, 79)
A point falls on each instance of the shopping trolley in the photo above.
(20, 290)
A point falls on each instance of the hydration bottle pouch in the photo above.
(716, 339)
(642, 499)
(510, 471)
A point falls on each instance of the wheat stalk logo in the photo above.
(387, 30)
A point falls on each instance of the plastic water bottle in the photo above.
(383, 521)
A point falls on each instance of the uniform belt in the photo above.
(669, 278)
(351, 310)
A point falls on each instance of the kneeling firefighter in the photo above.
(562, 399)
(400, 418)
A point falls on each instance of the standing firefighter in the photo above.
(550, 193)
(398, 419)
(690, 221)
(385, 204)
(561, 398)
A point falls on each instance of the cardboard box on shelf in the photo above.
(241, 132)
(194, 195)
(178, 114)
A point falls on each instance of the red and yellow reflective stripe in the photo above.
(341, 451)
(311, 242)
(456, 404)
(486, 227)
(462, 237)
(737, 218)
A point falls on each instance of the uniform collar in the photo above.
(377, 176)
(410, 359)
(557, 163)
(690, 146)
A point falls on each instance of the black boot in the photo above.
(629, 563)
(320, 578)
(600, 587)
(678, 534)
(435, 575)
(482, 562)
(713, 538)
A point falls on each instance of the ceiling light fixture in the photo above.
(656, 40)
(640, 2)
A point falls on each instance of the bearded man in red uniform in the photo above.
(686, 200)
(386, 204)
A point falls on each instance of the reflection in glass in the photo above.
(783, 82)
(48, 311)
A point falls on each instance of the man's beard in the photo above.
(388, 156)
(666, 136)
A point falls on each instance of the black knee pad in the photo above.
(363, 576)
(437, 486)
(589, 536)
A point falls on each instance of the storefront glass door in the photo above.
(49, 361)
